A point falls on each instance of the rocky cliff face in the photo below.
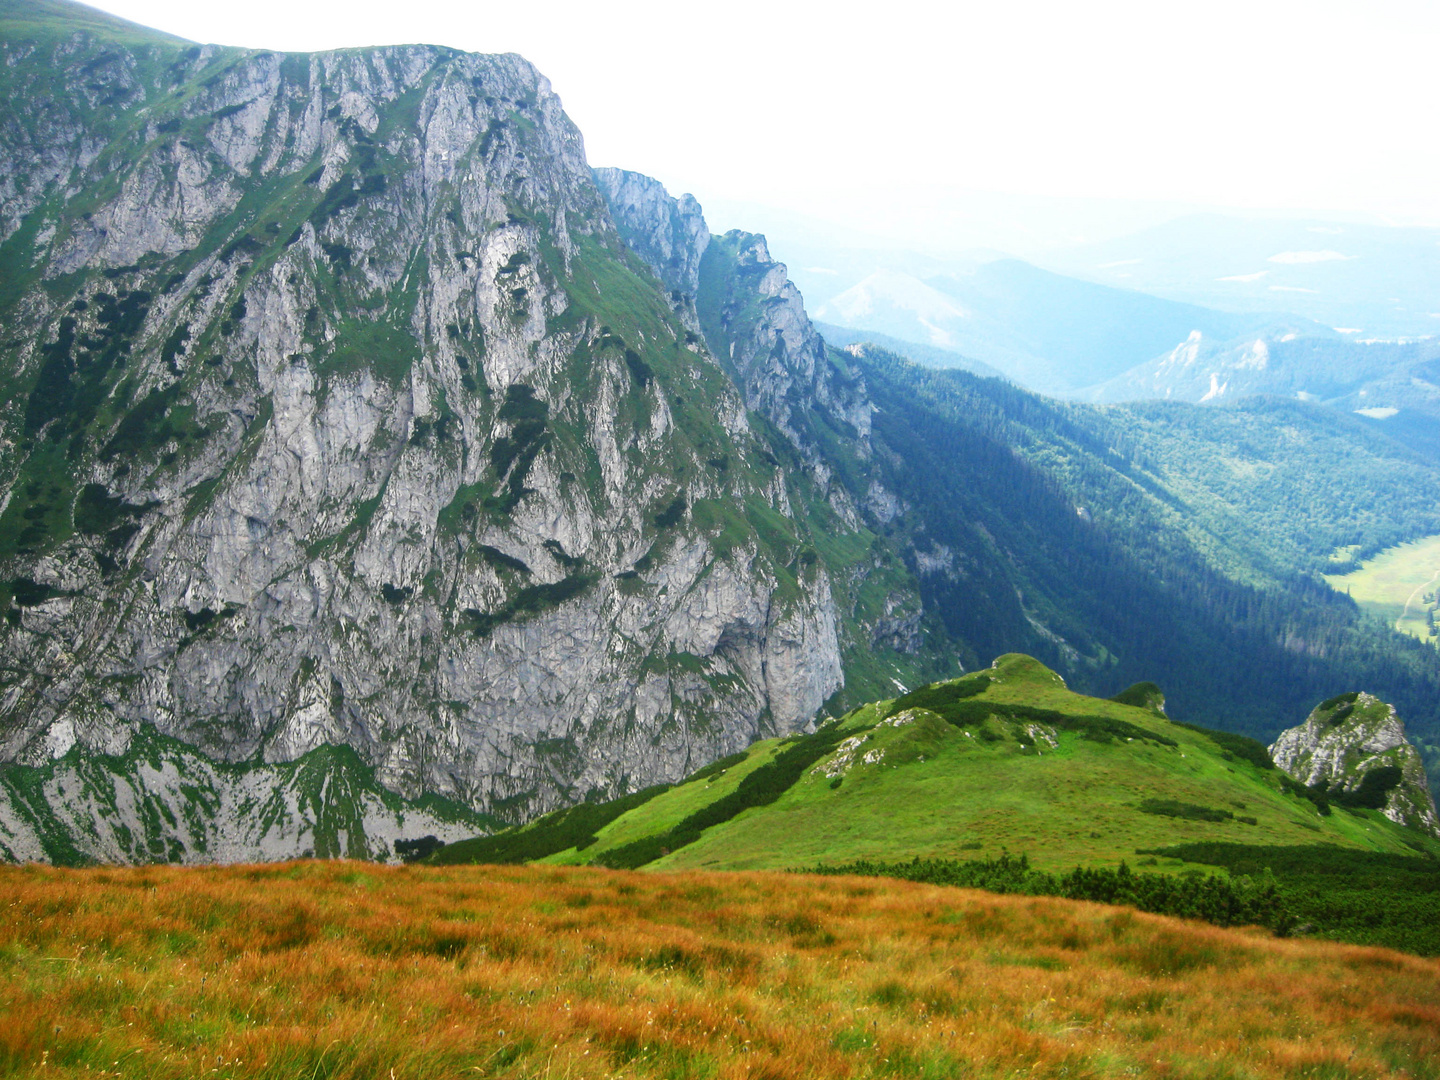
(669, 234)
(1355, 746)
(753, 319)
(338, 414)
(163, 801)
(813, 404)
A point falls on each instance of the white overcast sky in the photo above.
(887, 115)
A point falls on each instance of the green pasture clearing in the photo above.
(1079, 804)
(1399, 585)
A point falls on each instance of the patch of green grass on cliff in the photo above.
(25, 786)
(19, 270)
(725, 299)
(38, 516)
(380, 347)
(354, 529)
(328, 786)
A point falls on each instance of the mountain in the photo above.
(1133, 317)
(1070, 532)
(368, 458)
(1048, 332)
(337, 413)
(1344, 372)
(1374, 280)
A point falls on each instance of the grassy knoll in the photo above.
(354, 970)
(1399, 585)
(1017, 762)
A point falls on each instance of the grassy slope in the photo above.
(1393, 585)
(1073, 805)
(353, 970)
(669, 809)
(57, 17)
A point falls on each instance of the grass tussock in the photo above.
(353, 970)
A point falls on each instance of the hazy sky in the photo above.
(889, 116)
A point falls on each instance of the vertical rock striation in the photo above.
(340, 415)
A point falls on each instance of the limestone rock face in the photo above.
(164, 802)
(341, 416)
(1345, 739)
(753, 320)
(669, 234)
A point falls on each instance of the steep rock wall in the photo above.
(340, 415)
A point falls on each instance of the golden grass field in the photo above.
(310, 970)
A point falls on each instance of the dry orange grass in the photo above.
(353, 970)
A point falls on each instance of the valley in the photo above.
(1398, 585)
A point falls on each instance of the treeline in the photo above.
(1221, 900)
(1361, 897)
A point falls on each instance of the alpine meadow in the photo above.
(463, 617)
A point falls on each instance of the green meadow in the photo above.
(1019, 763)
(1399, 585)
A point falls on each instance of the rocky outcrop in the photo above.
(753, 320)
(669, 234)
(346, 420)
(1346, 739)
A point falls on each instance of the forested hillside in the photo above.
(1170, 542)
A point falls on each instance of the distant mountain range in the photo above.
(1372, 281)
(1203, 309)
(1394, 385)
(1049, 332)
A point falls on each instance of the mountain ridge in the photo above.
(281, 428)
(346, 406)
